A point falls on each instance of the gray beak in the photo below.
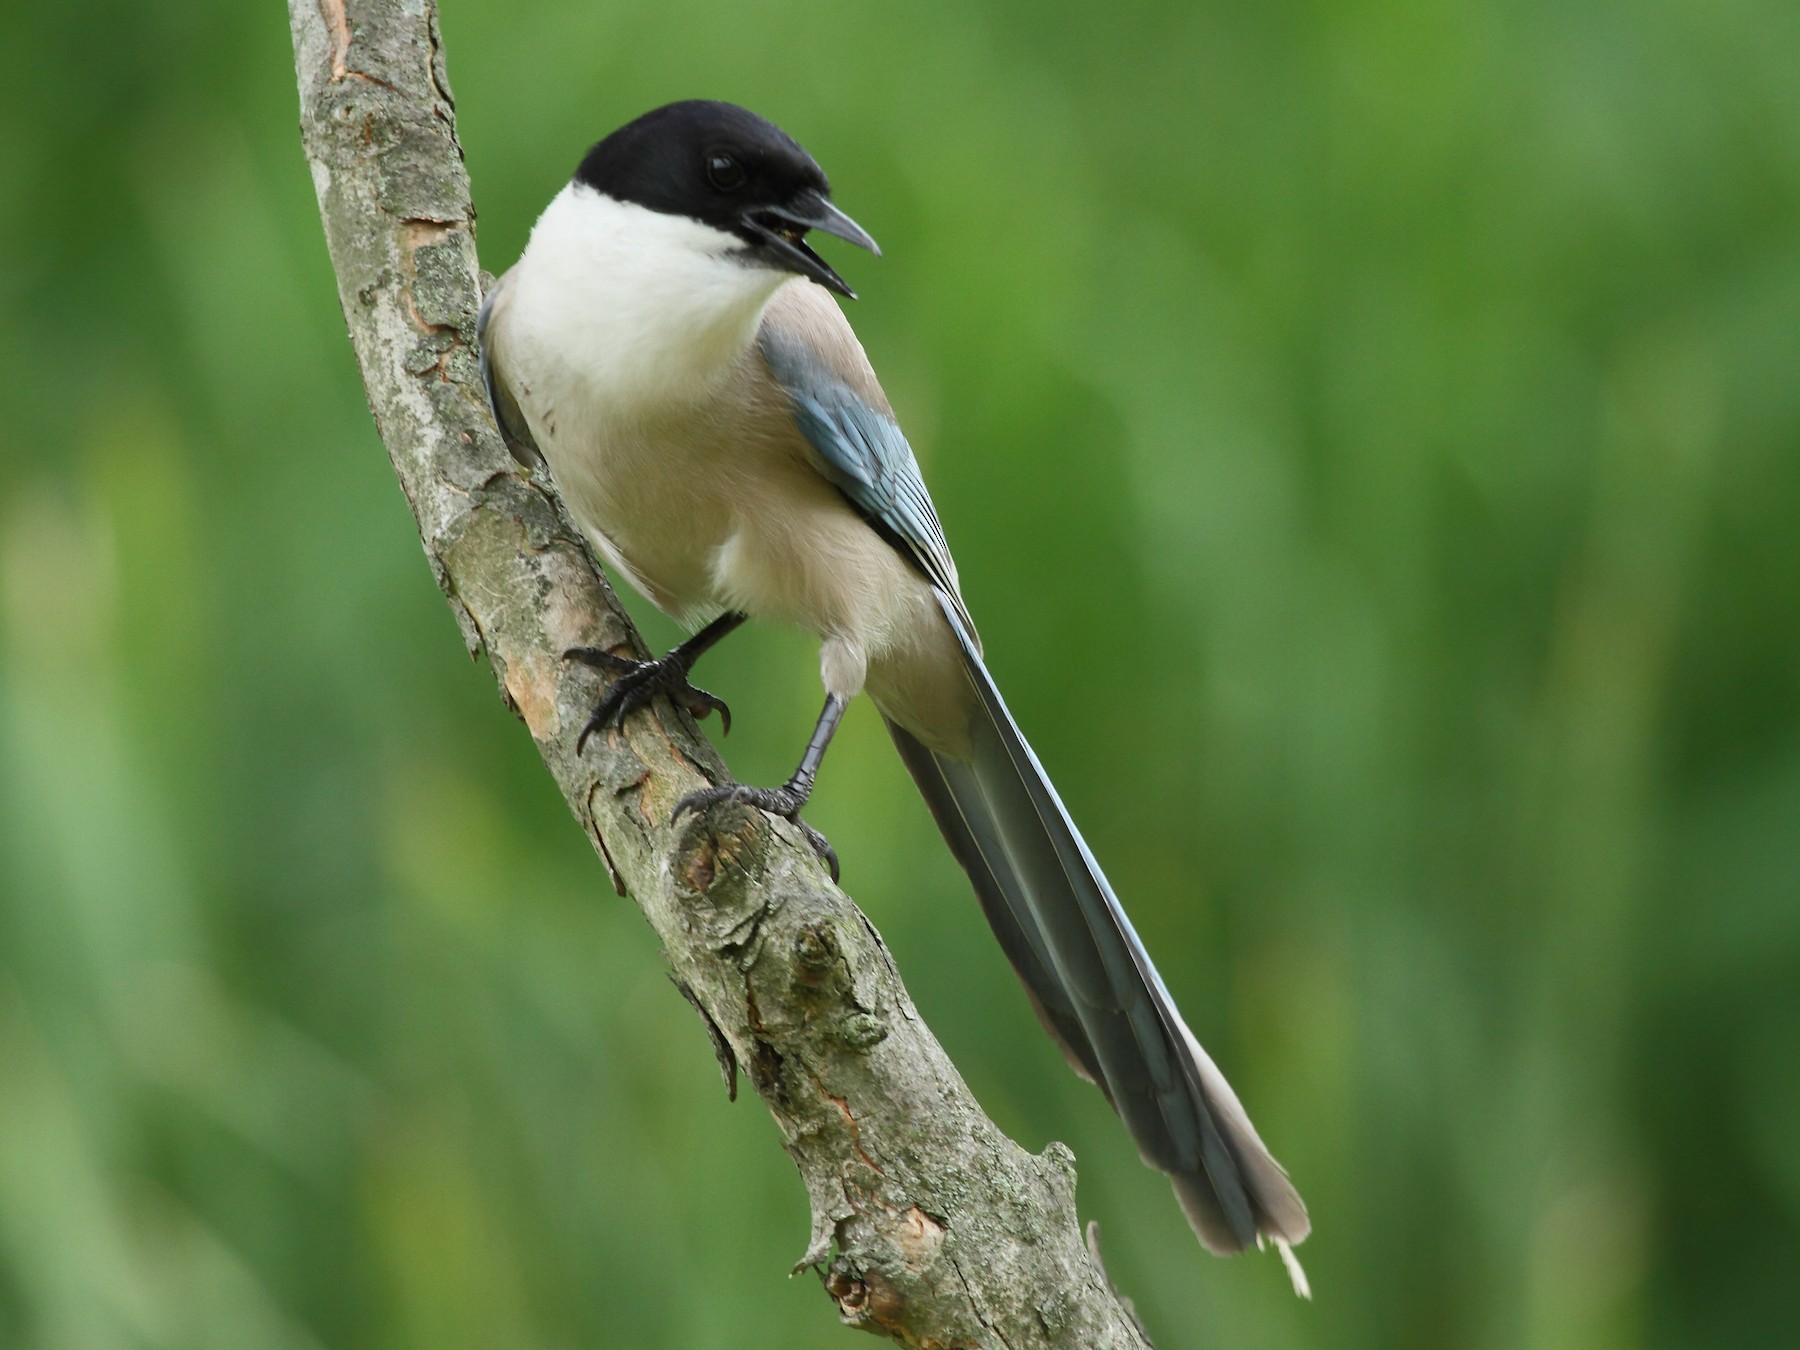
(781, 231)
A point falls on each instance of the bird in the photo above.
(669, 347)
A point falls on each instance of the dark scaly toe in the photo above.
(820, 845)
(782, 801)
(637, 683)
(601, 659)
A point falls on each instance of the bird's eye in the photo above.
(724, 171)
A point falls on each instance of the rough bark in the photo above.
(929, 1225)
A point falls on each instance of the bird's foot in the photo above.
(637, 683)
(784, 801)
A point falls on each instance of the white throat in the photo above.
(639, 306)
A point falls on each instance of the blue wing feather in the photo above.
(863, 453)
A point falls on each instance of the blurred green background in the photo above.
(1371, 438)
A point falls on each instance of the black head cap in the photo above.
(726, 167)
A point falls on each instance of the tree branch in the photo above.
(946, 1233)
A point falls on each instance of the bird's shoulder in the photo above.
(808, 343)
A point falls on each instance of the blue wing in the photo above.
(862, 452)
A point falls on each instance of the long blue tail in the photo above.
(1091, 980)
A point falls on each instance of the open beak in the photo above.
(782, 232)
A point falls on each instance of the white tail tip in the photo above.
(1294, 1270)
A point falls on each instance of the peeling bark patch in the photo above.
(533, 692)
(622, 779)
(591, 822)
(717, 866)
(882, 1303)
(420, 233)
(843, 1108)
(851, 1294)
(697, 868)
(868, 1299)
(435, 251)
(728, 1065)
(440, 78)
(920, 1237)
(765, 1070)
(766, 1067)
(338, 24)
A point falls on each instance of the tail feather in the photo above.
(1090, 979)
(973, 842)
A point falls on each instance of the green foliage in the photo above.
(1371, 439)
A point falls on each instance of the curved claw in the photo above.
(821, 846)
(637, 684)
(699, 703)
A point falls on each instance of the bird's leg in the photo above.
(640, 681)
(786, 800)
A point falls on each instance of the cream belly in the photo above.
(701, 521)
